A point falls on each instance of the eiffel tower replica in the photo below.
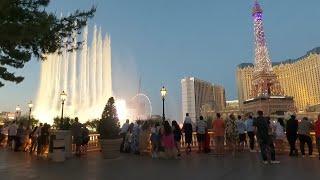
(267, 94)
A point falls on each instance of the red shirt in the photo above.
(218, 127)
(317, 128)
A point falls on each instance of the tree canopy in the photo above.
(28, 29)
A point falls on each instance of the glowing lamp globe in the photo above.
(30, 104)
(163, 92)
(18, 108)
(63, 96)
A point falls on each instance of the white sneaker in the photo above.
(303, 155)
(312, 156)
(252, 150)
(265, 162)
(275, 162)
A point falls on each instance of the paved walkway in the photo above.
(246, 166)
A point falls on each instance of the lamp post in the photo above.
(63, 96)
(30, 109)
(163, 94)
(17, 111)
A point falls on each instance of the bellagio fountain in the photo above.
(84, 75)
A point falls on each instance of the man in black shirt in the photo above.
(262, 130)
(291, 132)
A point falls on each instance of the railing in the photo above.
(93, 144)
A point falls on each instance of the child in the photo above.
(168, 139)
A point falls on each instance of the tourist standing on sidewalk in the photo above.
(154, 138)
(168, 140)
(76, 133)
(39, 139)
(177, 136)
(26, 138)
(123, 133)
(304, 129)
(144, 139)
(84, 138)
(34, 138)
(187, 127)
(232, 134)
(201, 128)
(279, 135)
(19, 137)
(292, 134)
(4, 132)
(12, 132)
(219, 128)
(242, 133)
(317, 132)
(263, 130)
(250, 132)
(135, 138)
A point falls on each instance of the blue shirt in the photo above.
(241, 127)
(249, 125)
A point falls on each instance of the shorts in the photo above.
(218, 140)
(201, 137)
(242, 137)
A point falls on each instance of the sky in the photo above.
(163, 41)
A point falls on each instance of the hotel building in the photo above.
(200, 97)
(299, 78)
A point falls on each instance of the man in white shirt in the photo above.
(123, 133)
(12, 132)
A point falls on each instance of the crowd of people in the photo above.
(263, 136)
(37, 139)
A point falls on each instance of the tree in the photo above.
(109, 125)
(27, 29)
(92, 124)
(209, 121)
(66, 123)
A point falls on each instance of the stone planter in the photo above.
(110, 148)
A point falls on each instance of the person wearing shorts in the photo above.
(219, 128)
(201, 133)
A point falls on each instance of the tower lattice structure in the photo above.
(264, 80)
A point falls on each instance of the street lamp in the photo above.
(163, 94)
(63, 96)
(30, 108)
(17, 111)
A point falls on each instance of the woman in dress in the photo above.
(128, 139)
(232, 134)
(135, 138)
(168, 140)
(144, 139)
(177, 136)
(279, 135)
(154, 140)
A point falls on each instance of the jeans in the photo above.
(305, 139)
(292, 138)
(251, 139)
(265, 144)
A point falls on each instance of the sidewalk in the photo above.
(246, 166)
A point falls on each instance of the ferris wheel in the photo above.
(142, 106)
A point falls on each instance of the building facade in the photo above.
(299, 78)
(201, 98)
